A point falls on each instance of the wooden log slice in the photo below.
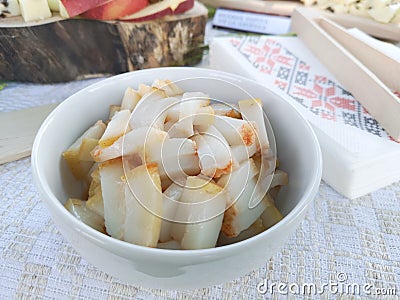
(57, 50)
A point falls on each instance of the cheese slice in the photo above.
(9, 8)
(63, 10)
(54, 5)
(34, 10)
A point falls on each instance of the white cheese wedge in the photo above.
(54, 5)
(34, 10)
(396, 18)
(9, 8)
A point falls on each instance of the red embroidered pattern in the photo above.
(319, 94)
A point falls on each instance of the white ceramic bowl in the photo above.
(298, 152)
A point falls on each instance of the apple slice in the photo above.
(160, 9)
(115, 9)
(72, 8)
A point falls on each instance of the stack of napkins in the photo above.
(358, 155)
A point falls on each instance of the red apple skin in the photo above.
(75, 7)
(115, 9)
(184, 6)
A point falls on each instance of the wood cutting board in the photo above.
(59, 50)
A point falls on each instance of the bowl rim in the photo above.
(122, 247)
